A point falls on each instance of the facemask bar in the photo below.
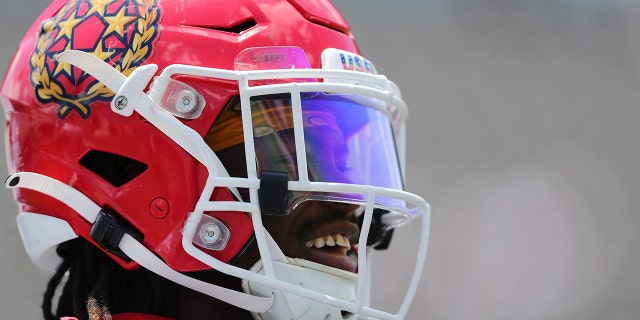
(252, 182)
(191, 142)
(347, 140)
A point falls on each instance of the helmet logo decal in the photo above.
(119, 32)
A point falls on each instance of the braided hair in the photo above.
(97, 286)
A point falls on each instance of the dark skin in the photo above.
(310, 220)
(318, 231)
(314, 220)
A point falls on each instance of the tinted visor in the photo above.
(348, 139)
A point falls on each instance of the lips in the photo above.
(319, 231)
(331, 245)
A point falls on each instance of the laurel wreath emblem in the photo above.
(45, 69)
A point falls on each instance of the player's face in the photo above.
(319, 227)
(319, 231)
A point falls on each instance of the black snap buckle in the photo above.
(108, 230)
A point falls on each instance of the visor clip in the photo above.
(379, 234)
(274, 193)
(128, 95)
(107, 231)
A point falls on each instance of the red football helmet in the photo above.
(163, 132)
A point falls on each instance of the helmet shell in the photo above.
(59, 117)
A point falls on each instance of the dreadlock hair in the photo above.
(97, 286)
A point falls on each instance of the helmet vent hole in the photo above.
(237, 29)
(113, 168)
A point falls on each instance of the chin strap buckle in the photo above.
(108, 230)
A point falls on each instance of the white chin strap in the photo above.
(135, 250)
(320, 278)
(330, 281)
(327, 280)
(326, 290)
(278, 304)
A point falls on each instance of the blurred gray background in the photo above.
(522, 136)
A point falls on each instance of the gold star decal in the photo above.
(98, 6)
(100, 53)
(66, 26)
(63, 66)
(117, 22)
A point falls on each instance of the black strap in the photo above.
(274, 193)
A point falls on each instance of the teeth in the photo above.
(318, 242)
(342, 241)
(330, 240)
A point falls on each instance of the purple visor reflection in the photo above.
(347, 140)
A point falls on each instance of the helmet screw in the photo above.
(121, 102)
(186, 101)
(210, 233)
